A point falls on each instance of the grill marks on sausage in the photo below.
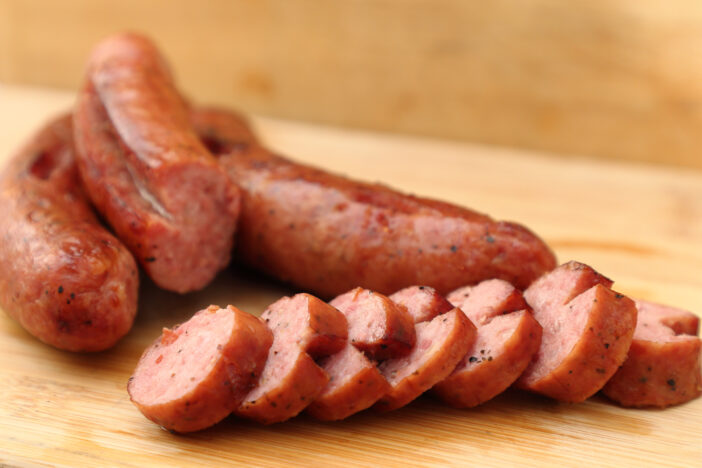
(291, 379)
(147, 171)
(66, 280)
(194, 375)
(663, 364)
(508, 336)
(579, 314)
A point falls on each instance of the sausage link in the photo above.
(147, 171)
(65, 279)
(328, 234)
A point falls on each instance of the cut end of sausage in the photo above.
(377, 325)
(355, 383)
(663, 365)
(441, 344)
(587, 331)
(194, 375)
(291, 380)
(422, 302)
(502, 350)
(487, 299)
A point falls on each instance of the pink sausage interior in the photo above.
(664, 324)
(196, 346)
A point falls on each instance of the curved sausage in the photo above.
(441, 345)
(663, 365)
(194, 375)
(587, 332)
(328, 234)
(65, 279)
(291, 380)
(508, 336)
(147, 171)
(377, 326)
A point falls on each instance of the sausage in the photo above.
(377, 326)
(196, 374)
(663, 365)
(422, 302)
(327, 234)
(355, 383)
(146, 170)
(291, 380)
(587, 332)
(65, 279)
(441, 345)
(508, 336)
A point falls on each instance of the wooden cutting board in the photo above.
(641, 225)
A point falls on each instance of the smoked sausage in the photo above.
(65, 279)
(146, 170)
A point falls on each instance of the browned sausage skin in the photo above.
(147, 171)
(65, 279)
(663, 367)
(194, 375)
(328, 234)
(587, 332)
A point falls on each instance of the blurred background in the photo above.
(612, 79)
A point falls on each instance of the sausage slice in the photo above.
(64, 277)
(422, 302)
(196, 374)
(146, 170)
(508, 336)
(663, 365)
(291, 380)
(587, 332)
(377, 326)
(441, 344)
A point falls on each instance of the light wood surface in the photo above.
(615, 78)
(641, 225)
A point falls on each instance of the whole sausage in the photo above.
(291, 380)
(663, 366)
(587, 332)
(328, 234)
(146, 170)
(65, 279)
(197, 373)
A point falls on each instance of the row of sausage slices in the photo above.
(568, 336)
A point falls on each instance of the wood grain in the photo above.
(617, 79)
(639, 224)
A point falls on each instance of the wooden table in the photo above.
(641, 225)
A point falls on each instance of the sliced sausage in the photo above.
(147, 171)
(196, 374)
(587, 331)
(377, 326)
(64, 278)
(663, 364)
(422, 302)
(328, 234)
(355, 383)
(441, 344)
(291, 380)
(508, 336)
